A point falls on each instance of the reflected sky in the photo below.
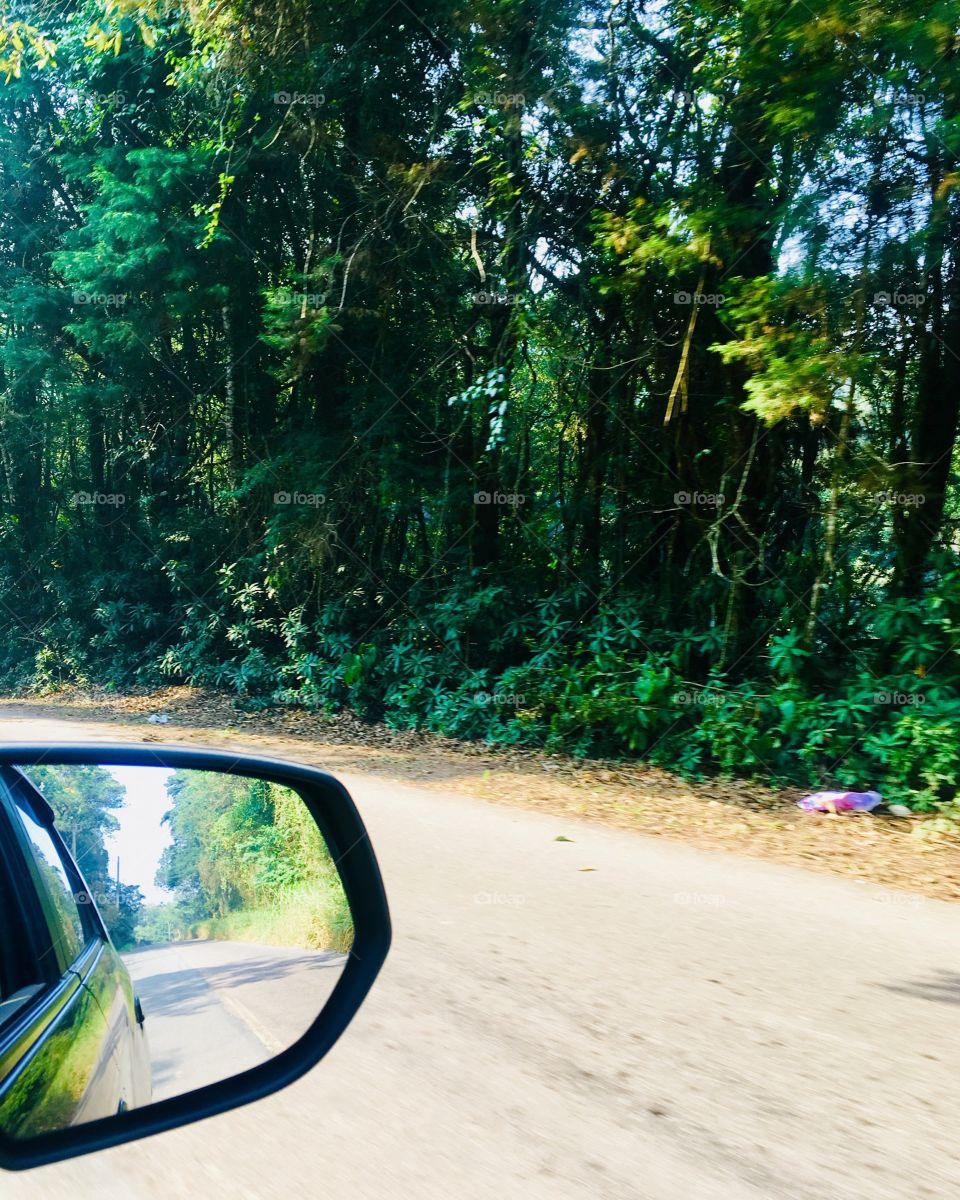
(141, 838)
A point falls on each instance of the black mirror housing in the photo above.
(338, 820)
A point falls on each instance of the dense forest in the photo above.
(573, 375)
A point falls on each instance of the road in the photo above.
(215, 1009)
(610, 1016)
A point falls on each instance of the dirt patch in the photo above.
(719, 814)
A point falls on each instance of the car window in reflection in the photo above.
(20, 974)
(63, 913)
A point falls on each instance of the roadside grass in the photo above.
(313, 916)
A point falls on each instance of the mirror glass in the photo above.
(160, 930)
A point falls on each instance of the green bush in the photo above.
(511, 667)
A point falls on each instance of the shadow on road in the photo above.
(215, 1009)
(164, 1075)
(943, 986)
(170, 989)
(175, 992)
(256, 970)
(189, 990)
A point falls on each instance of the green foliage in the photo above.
(785, 340)
(158, 924)
(313, 915)
(520, 374)
(245, 858)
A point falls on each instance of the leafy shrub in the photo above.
(479, 660)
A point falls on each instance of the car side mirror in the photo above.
(181, 932)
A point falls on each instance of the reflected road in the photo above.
(214, 1009)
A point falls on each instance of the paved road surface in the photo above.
(669, 1025)
(215, 1009)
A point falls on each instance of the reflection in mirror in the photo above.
(228, 929)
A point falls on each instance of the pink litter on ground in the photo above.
(840, 801)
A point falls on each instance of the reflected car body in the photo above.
(72, 1042)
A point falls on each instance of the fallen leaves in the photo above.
(729, 815)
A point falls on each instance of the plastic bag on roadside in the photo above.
(840, 801)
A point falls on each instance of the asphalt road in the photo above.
(214, 1009)
(614, 1017)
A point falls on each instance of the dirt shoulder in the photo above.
(719, 814)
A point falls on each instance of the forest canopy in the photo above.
(574, 375)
